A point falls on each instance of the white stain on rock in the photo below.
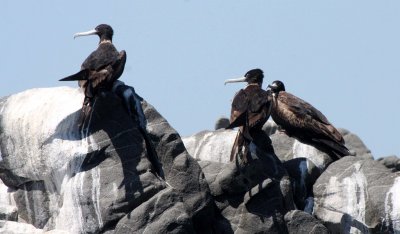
(45, 120)
(355, 186)
(213, 146)
(344, 202)
(392, 206)
(33, 118)
(301, 150)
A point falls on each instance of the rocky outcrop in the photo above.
(391, 162)
(130, 172)
(318, 184)
(355, 195)
(100, 179)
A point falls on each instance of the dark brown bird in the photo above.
(99, 71)
(251, 108)
(301, 120)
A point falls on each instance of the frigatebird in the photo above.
(100, 69)
(299, 119)
(250, 110)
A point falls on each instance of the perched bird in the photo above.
(99, 71)
(251, 108)
(301, 120)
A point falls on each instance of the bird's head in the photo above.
(104, 31)
(254, 76)
(277, 86)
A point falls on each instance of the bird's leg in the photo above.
(85, 112)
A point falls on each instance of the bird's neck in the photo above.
(254, 84)
(105, 42)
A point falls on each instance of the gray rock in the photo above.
(270, 127)
(303, 174)
(299, 222)
(8, 210)
(358, 195)
(251, 198)
(355, 144)
(182, 172)
(212, 146)
(91, 181)
(11, 227)
(287, 148)
(391, 162)
(221, 123)
(9, 213)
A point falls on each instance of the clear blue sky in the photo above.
(341, 56)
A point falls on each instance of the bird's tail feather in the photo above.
(335, 149)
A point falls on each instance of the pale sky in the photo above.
(341, 56)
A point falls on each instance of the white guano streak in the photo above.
(355, 188)
(301, 150)
(392, 206)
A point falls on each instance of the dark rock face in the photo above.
(103, 178)
(251, 198)
(221, 123)
(299, 222)
(130, 172)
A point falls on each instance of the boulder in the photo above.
(8, 210)
(358, 195)
(270, 127)
(252, 197)
(214, 146)
(96, 179)
(391, 162)
(129, 171)
(221, 123)
(299, 222)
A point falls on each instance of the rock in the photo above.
(182, 172)
(391, 162)
(212, 146)
(299, 222)
(93, 180)
(11, 227)
(303, 174)
(358, 195)
(8, 210)
(270, 127)
(355, 144)
(130, 172)
(287, 148)
(251, 198)
(221, 123)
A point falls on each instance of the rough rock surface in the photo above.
(299, 222)
(222, 122)
(132, 173)
(99, 179)
(358, 195)
(251, 198)
(391, 162)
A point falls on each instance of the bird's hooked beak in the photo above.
(241, 79)
(272, 86)
(91, 32)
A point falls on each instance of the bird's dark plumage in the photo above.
(100, 69)
(250, 110)
(301, 120)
